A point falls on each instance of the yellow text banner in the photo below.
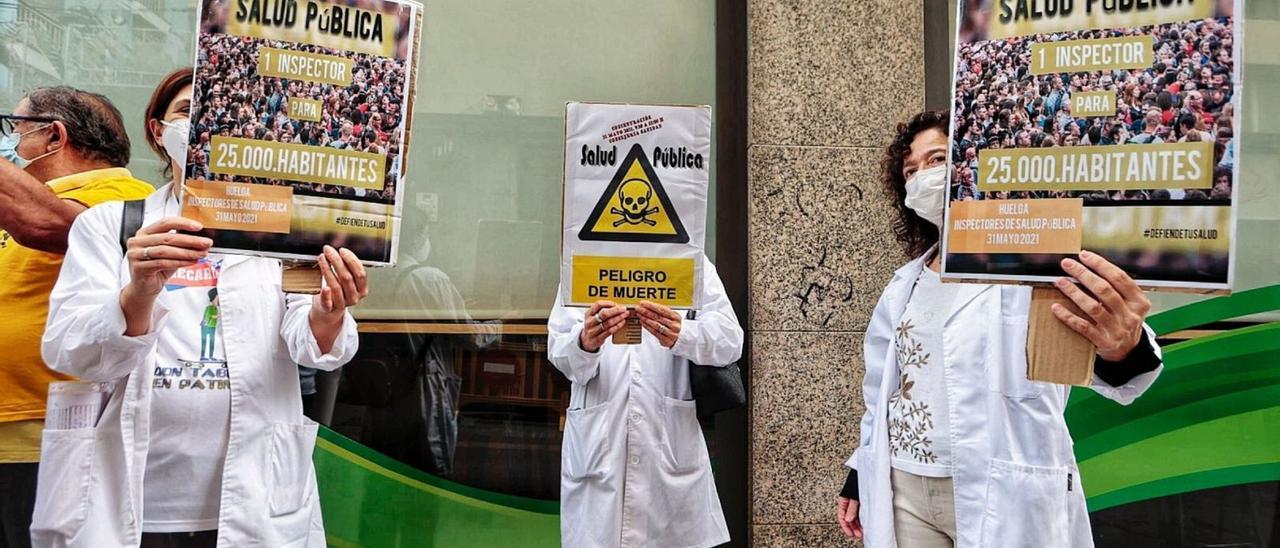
(1008, 18)
(293, 162)
(1159, 229)
(1115, 167)
(304, 109)
(319, 22)
(1125, 52)
(1093, 103)
(629, 280)
(239, 206)
(1016, 226)
(300, 65)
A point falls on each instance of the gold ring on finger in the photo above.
(146, 253)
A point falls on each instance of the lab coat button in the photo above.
(635, 375)
(127, 517)
(635, 459)
(636, 418)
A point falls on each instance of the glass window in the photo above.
(480, 244)
(454, 336)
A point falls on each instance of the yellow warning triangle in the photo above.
(634, 207)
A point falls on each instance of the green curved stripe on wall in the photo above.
(1243, 303)
(1193, 413)
(370, 499)
(1230, 442)
(1194, 371)
(1196, 481)
(1209, 421)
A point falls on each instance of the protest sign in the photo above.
(299, 125)
(1106, 125)
(635, 203)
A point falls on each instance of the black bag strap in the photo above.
(130, 222)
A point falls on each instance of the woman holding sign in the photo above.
(203, 441)
(957, 447)
(634, 467)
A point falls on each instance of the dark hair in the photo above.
(164, 93)
(913, 233)
(95, 128)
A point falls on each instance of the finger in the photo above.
(1099, 287)
(1117, 276)
(846, 528)
(347, 282)
(659, 310)
(358, 272)
(1088, 304)
(326, 299)
(618, 319)
(171, 223)
(146, 268)
(595, 308)
(151, 253)
(851, 513)
(609, 331)
(170, 239)
(1077, 324)
(326, 272)
(657, 329)
(857, 529)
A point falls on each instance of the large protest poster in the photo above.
(635, 203)
(1106, 125)
(300, 122)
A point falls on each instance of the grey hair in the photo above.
(95, 127)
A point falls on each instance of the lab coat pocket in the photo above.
(1026, 505)
(682, 434)
(289, 466)
(586, 437)
(1007, 368)
(66, 470)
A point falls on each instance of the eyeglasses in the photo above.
(9, 122)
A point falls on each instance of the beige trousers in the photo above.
(924, 511)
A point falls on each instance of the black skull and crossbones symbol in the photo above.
(634, 195)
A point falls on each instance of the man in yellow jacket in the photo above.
(63, 150)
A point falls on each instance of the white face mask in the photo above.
(174, 138)
(927, 193)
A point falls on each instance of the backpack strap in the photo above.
(130, 222)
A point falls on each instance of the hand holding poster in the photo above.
(300, 121)
(635, 203)
(1107, 125)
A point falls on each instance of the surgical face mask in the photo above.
(9, 148)
(927, 193)
(174, 139)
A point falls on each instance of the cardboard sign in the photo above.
(635, 203)
(1106, 126)
(300, 125)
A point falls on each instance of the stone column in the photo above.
(829, 80)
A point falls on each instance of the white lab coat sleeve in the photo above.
(563, 329)
(875, 347)
(714, 338)
(303, 348)
(1128, 392)
(84, 333)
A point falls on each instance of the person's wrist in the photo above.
(332, 318)
(582, 343)
(133, 296)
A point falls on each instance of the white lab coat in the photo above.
(90, 479)
(634, 469)
(1016, 480)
